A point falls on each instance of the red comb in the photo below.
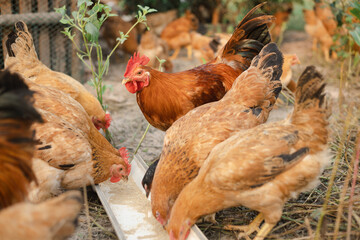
(125, 155)
(134, 61)
(107, 120)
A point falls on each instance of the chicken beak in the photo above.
(125, 80)
(125, 178)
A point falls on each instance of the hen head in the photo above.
(136, 78)
(120, 171)
(161, 205)
(102, 124)
(180, 231)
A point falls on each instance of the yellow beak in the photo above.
(125, 80)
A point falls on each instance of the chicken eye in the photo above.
(139, 73)
(121, 169)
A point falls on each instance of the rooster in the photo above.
(17, 145)
(262, 167)
(165, 97)
(190, 139)
(22, 58)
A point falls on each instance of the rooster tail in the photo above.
(16, 100)
(248, 39)
(20, 44)
(311, 109)
(270, 62)
(310, 91)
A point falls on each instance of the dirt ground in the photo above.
(129, 124)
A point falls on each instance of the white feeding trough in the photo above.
(130, 211)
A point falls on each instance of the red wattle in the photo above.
(115, 179)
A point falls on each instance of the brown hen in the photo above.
(190, 139)
(177, 33)
(17, 143)
(22, 58)
(71, 152)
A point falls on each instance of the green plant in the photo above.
(348, 17)
(87, 20)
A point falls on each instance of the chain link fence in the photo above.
(53, 48)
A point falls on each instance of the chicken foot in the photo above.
(264, 231)
(189, 51)
(176, 52)
(247, 229)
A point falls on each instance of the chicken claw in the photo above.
(264, 231)
(208, 218)
(247, 229)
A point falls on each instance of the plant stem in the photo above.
(142, 139)
(355, 174)
(332, 177)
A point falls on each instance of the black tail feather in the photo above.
(16, 100)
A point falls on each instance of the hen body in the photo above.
(17, 143)
(190, 139)
(19, 219)
(262, 167)
(22, 58)
(71, 152)
(93, 160)
(53, 219)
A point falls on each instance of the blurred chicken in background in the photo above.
(111, 29)
(201, 47)
(177, 33)
(153, 46)
(286, 77)
(281, 15)
(158, 21)
(321, 25)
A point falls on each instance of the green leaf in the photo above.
(122, 37)
(74, 14)
(356, 35)
(106, 66)
(92, 32)
(95, 22)
(80, 56)
(356, 59)
(64, 21)
(91, 83)
(356, 12)
(61, 10)
(87, 3)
